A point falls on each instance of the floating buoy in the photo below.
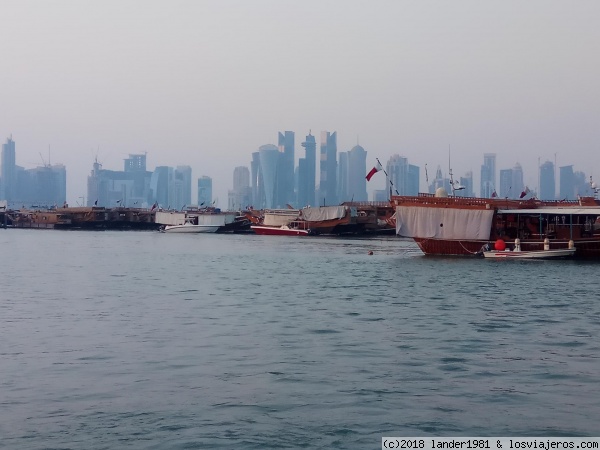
(500, 245)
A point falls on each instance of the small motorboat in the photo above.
(190, 227)
(501, 251)
(532, 254)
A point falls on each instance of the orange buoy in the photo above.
(500, 245)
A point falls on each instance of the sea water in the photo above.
(151, 341)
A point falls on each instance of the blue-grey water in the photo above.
(151, 341)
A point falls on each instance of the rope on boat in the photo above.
(467, 250)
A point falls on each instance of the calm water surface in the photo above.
(146, 340)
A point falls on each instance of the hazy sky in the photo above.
(205, 83)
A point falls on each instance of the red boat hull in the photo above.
(585, 248)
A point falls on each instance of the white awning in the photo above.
(590, 211)
(443, 223)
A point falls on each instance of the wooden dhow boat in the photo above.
(449, 225)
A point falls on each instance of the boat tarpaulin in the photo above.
(443, 223)
(278, 219)
(314, 214)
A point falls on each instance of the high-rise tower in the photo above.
(488, 175)
(357, 168)
(8, 179)
(285, 178)
(547, 184)
(328, 182)
(306, 173)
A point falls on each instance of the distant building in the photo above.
(328, 169)
(162, 187)
(467, 183)
(567, 183)
(307, 173)
(380, 195)
(110, 188)
(583, 187)
(397, 175)
(269, 162)
(357, 169)
(8, 171)
(506, 180)
(241, 194)
(342, 177)
(285, 171)
(547, 185)
(183, 177)
(205, 191)
(440, 182)
(488, 175)
(256, 182)
(44, 186)
(412, 185)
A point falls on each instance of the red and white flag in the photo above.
(525, 192)
(373, 171)
(494, 195)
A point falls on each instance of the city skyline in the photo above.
(172, 186)
(205, 84)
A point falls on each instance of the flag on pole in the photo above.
(373, 171)
(494, 195)
(525, 192)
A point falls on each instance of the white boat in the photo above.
(190, 227)
(531, 254)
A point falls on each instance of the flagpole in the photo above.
(388, 177)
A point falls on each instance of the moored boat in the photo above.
(535, 254)
(295, 228)
(448, 225)
(189, 227)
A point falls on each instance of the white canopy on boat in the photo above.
(443, 223)
(590, 211)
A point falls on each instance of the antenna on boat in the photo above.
(455, 186)
(594, 187)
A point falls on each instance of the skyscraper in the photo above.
(506, 180)
(205, 191)
(285, 178)
(129, 187)
(397, 175)
(567, 183)
(518, 185)
(240, 195)
(342, 177)
(269, 162)
(357, 168)
(412, 187)
(488, 175)
(306, 172)
(547, 185)
(467, 183)
(8, 173)
(328, 182)
(183, 176)
(162, 187)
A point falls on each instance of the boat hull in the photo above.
(536, 254)
(278, 231)
(584, 248)
(191, 228)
